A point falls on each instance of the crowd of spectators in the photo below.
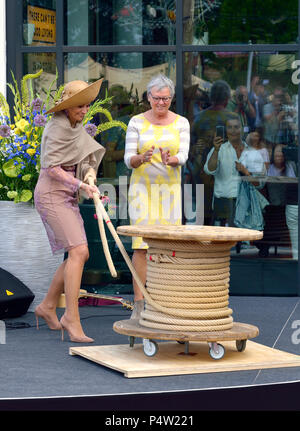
(234, 152)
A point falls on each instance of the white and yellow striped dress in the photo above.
(154, 195)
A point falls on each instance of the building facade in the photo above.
(252, 45)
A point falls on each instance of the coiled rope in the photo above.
(187, 286)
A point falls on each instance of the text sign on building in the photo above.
(44, 21)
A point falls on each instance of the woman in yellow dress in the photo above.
(157, 145)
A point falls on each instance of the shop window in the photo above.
(120, 22)
(39, 22)
(232, 21)
(250, 175)
(35, 61)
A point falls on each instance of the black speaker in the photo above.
(15, 297)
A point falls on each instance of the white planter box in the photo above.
(24, 248)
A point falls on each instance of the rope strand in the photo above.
(187, 286)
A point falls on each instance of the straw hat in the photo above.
(77, 93)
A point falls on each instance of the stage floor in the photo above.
(36, 364)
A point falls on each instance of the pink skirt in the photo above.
(57, 203)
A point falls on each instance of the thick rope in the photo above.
(187, 282)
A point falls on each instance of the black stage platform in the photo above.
(37, 372)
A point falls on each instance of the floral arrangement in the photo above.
(20, 143)
(20, 136)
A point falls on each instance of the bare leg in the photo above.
(72, 282)
(140, 265)
(47, 308)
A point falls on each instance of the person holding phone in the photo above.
(223, 162)
(202, 135)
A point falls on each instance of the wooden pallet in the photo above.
(171, 360)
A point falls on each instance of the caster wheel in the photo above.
(216, 351)
(150, 347)
(131, 341)
(241, 345)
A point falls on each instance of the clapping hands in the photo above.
(165, 156)
(148, 154)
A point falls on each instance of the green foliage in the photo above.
(97, 108)
(4, 107)
(268, 21)
(20, 138)
(110, 124)
(24, 88)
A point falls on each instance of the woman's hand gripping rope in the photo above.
(101, 214)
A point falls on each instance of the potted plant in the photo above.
(25, 250)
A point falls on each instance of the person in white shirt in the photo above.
(224, 163)
(256, 145)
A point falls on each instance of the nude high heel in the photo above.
(74, 338)
(53, 324)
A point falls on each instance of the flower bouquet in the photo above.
(20, 139)
(20, 136)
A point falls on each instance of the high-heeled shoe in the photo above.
(74, 338)
(138, 307)
(53, 324)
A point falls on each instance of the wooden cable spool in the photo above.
(188, 269)
(187, 280)
(198, 293)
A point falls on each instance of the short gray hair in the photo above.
(161, 81)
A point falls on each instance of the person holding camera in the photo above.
(277, 118)
(241, 105)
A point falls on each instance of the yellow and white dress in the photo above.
(154, 195)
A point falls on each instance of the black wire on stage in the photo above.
(17, 325)
(25, 325)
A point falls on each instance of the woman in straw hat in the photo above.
(69, 156)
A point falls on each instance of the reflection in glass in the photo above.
(250, 21)
(35, 61)
(39, 22)
(121, 22)
(243, 110)
(125, 80)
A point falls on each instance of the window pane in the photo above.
(39, 22)
(250, 175)
(233, 21)
(126, 76)
(35, 61)
(120, 22)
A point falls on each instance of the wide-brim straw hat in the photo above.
(76, 93)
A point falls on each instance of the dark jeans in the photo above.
(224, 211)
